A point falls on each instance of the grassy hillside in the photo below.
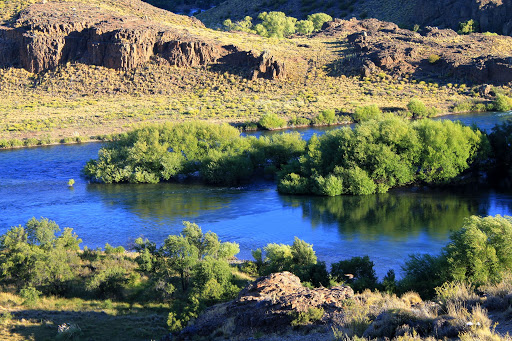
(9, 9)
(76, 102)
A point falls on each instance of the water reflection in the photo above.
(397, 214)
(164, 202)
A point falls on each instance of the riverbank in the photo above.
(251, 127)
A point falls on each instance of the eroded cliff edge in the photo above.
(47, 35)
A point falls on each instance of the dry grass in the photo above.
(79, 102)
(98, 320)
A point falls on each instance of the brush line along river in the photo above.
(387, 227)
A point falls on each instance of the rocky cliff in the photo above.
(430, 54)
(50, 34)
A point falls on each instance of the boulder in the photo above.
(267, 305)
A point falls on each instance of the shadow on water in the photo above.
(164, 201)
(398, 214)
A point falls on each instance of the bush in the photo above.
(271, 121)
(419, 110)
(275, 24)
(381, 154)
(298, 258)
(319, 19)
(468, 27)
(433, 58)
(305, 317)
(299, 121)
(480, 252)
(368, 112)
(305, 27)
(360, 268)
(502, 103)
(423, 273)
(330, 185)
(30, 295)
(325, 117)
(293, 184)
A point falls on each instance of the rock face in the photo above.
(47, 35)
(434, 54)
(492, 15)
(266, 306)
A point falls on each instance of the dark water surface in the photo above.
(387, 227)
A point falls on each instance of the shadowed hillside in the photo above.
(492, 15)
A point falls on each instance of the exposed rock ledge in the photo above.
(47, 35)
(432, 53)
(265, 305)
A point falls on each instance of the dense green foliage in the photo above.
(278, 25)
(378, 155)
(189, 271)
(501, 144)
(318, 20)
(418, 109)
(368, 112)
(298, 258)
(502, 103)
(467, 27)
(217, 152)
(373, 157)
(271, 121)
(478, 253)
(359, 270)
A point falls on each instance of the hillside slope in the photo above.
(492, 15)
(70, 71)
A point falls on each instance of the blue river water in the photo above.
(387, 227)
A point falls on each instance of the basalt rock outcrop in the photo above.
(47, 35)
(432, 54)
(267, 305)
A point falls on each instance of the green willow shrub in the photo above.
(418, 109)
(330, 185)
(275, 25)
(447, 149)
(271, 121)
(305, 27)
(423, 273)
(381, 154)
(160, 152)
(481, 251)
(32, 255)
(217, 153)
(326, 117)
(319, 19)
(468, 27)
(368, 112)
(502, 103)
(298, 258)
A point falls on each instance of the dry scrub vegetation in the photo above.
(80, 102)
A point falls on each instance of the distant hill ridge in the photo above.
(491, 15)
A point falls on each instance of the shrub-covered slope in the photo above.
(491, 15)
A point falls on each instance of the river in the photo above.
(387, 227)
